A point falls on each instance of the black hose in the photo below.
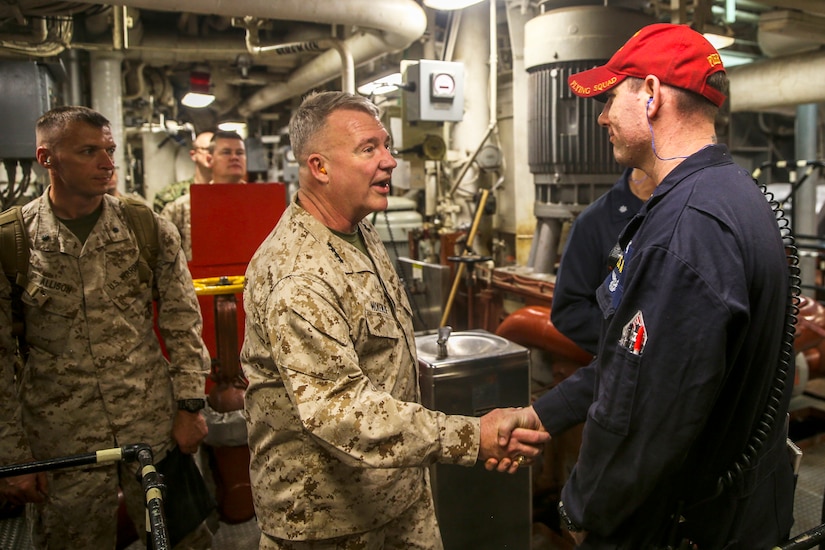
(768, 418)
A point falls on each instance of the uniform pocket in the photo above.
(49, 318)
(381, 325)
(129, 295)
(617, 392)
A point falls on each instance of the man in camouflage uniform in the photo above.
(340, 445)
(227, 157)
(199, 153)
(94, 376)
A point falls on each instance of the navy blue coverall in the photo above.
(584, 263)
(694, 315)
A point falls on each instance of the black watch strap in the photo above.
(191, 405)
(566, 521)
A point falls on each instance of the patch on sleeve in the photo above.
(634, 335)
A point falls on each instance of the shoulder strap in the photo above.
(145, 226)
(14, 256)
(14, 245)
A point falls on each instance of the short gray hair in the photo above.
(311, 117)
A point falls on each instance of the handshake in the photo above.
(511, 438)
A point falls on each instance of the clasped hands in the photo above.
(511, 438)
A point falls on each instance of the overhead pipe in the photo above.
(40, 48)
(348, 72)
(389, 26)
(792, 80)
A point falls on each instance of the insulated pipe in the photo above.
(792, 80)
(348, 72)
(74, 88)
(107, 94)
(805, 214)
(531, 326)
(544, 253)
(392, 25)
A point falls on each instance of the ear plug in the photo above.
(322, 170)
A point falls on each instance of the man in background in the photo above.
(199, 153)
(227, 160)
(585, 260)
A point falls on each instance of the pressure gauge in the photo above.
(443, 86)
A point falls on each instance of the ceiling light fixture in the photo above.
(199, 95)
(381, 86)
(449, 5)
(239, 128)
(720, 36)
(719, 41)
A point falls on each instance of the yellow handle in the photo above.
(211, 286)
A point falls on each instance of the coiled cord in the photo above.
(768, 419)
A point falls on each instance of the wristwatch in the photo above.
(565, 519)
(191, 405)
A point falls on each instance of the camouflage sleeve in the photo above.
(344, 408)
(171, 213)
(14, 448)
(177, 213)
(170, 193)
(179, 317)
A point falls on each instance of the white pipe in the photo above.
(493, 64)
(348, 71)
(107, 93)
(388, 26)
(779, 82)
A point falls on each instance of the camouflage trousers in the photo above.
(82, 506)
(415, 529)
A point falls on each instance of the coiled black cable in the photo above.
(768, 419)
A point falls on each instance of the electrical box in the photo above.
(27, 90)
(434, 91)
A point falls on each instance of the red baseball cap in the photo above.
(677, 54)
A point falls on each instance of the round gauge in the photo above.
(443, 85)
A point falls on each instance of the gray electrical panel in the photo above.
(434, 91)
(27, 90)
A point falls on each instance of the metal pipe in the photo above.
(793, 80)
(395, 24)
(805, 215)
(348, 65)
(467, 248)
(107, 99)
(531, 326)
(493, 63)
(469, 162)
